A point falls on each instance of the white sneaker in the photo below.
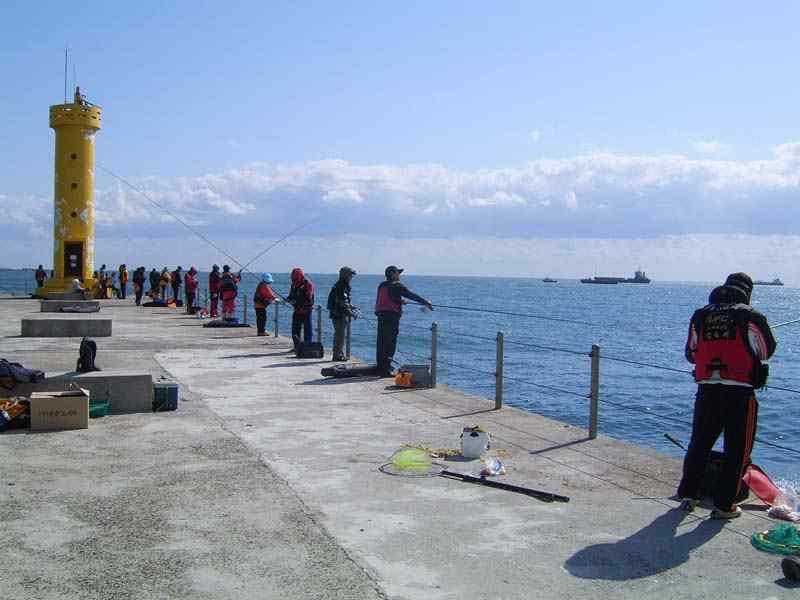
(718, 513)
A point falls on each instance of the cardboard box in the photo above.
(52, 411)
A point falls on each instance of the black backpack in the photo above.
(86, 356)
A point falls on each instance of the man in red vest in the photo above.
(727, 342)
(389, 309)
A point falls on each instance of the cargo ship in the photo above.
(638, 277)
(776, 281)
(549, 280)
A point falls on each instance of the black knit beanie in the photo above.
(741, 281)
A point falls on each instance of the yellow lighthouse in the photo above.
(75, 125)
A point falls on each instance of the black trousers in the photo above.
(139, 294)
(301, 323)
(261, 319)
(720, 408)
(175, 291)
(123, 290)
(190, 302)
(388, 330)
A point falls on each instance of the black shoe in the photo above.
(791, 568)
(339, 359)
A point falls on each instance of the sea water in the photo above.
(641, 322)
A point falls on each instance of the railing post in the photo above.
(319, 323)
(244, 309)
(594, 396)
(205, 304)
(498, 373)
(348, 337)
(434, 351)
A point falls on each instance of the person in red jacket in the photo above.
(190, 288)
(727, 342)
(263, 297)
(213, 290)
(228, 290)
(389, 309)
(301, 297)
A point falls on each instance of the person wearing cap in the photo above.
(213, 290)
(190, 289)
(228, 291)
(389, 309)
(123, 281)
(727, 343)
(341, 311)
(262, 298)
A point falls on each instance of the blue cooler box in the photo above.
(165, 396)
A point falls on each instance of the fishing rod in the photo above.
(511, 314)
(243, 268)
(786, 323)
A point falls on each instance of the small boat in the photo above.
(776, 281)
(603, 280)
(549, 280)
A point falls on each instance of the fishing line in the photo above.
(786, 323)
(511, 314)
(243, 268)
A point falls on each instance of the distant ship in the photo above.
(638, 277)
(549, 280)
(776, 281)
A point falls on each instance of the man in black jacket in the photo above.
(389, 309)
(341, 311)
(727, 343)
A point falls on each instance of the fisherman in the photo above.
(155, 282)
(263, 297)
(164, 282)
(177, 279)
(114, 285)
(41, 276)
(228, 290)
(727, 342)
(138, 284)
(301, 297)
(123, 281)
(389, 309)
(213, 290)
(190, 288)
(341, 311)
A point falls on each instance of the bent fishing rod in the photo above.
(243, 268)
(792, 322)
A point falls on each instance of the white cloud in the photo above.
(597, 194)
(709, 147)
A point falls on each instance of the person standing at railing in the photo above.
(301, 297)
(155, 284)
(138, 284)
(389, 310)
(262, 298)
(213, 290)
(190, 289)
(177, 281)
(228, 290)
(123, 281)
(341, 311)
(41, 276)
(728, 342)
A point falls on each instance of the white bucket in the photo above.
(473, 442)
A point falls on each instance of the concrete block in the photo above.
(84, 295)
(126, 391)
(66, 327)
(70, 306)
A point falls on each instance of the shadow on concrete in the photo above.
(558, 446)
(469, 414)
(297, 364)
(340, 380)
(652, 550)
(245, 356)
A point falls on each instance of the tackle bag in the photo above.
(15, 373)
(309, 350)
(86, 356)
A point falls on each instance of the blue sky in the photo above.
(523, 122)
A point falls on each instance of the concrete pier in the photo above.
(265, 484)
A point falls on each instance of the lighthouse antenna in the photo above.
(66, 62)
